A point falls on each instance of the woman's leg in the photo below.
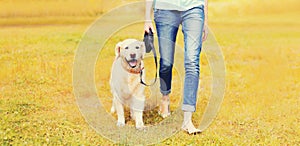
(192, 27)
(167, 23)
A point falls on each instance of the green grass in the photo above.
(261, 104)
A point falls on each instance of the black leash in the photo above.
(149, 45)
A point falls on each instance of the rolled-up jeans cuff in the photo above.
(188, 108)
(165, 92)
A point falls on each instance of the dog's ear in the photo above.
(118, 49)
(143, 48)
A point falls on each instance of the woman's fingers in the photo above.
(205, 33)
(148, 26)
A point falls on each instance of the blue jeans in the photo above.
(167, 23)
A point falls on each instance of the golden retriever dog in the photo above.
(125, 81)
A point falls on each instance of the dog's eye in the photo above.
(126, 48)
(137, 47)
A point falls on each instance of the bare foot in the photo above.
(190, 128)
(164, 107)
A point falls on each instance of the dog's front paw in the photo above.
(121, 124)
(139, 126)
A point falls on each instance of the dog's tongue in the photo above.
(133, 63)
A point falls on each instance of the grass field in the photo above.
(261, 47)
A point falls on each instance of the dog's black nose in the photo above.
(132, 55)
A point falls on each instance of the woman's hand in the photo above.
(205, 32)
(148, 26)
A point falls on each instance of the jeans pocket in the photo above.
(156, 13)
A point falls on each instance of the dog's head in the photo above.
(131, 50)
